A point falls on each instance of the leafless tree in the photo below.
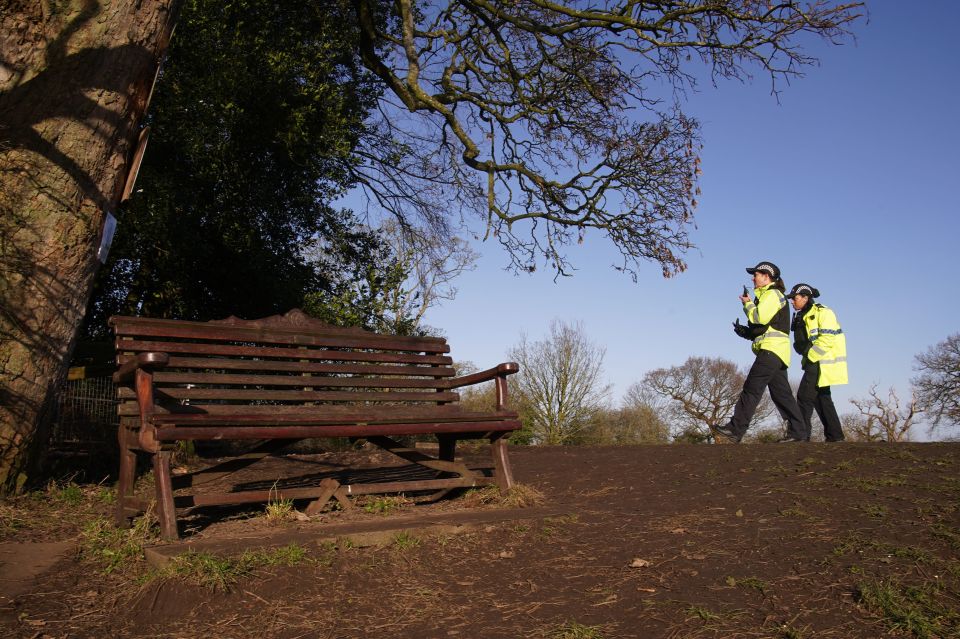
(560, 384)
(627, 425)
(555, 118)
(885, 416)
(701, 395)
(858, 428)
(937, 386)
(431, 263)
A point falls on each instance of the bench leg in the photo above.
(502, 473)
(448, 447)
(166, 511)
(128, 468)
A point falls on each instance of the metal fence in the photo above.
(86, 415)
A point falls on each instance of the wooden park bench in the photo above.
(292, 377)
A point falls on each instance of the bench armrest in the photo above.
(498, 373)
(143, 361)
(500, 370)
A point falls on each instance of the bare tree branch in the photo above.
(544, 116)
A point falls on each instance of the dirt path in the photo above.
(793, 541)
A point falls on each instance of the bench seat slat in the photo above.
(162, 394)
(313, 381)
(201, 433)
(205, 363)
(290, 354)
(306, 419)
(350, 412)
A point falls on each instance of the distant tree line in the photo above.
(563, 399)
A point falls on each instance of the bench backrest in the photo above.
(281, 363)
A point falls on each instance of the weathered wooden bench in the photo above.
(287, 378)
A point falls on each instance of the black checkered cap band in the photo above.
(766, 267)
(803, 289)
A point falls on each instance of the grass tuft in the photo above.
(116, 549)
(574, 630)
(405, 541)
(910, 609)
(704, 614)
(279, 511)
(384, 504)
(220, 573)
(522, 496)
(752, 583)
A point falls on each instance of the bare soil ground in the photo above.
(794, 541)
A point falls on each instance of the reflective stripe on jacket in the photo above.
(828, 345)
(769, 308)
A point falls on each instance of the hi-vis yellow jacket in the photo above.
(828, 345)
(769, 307)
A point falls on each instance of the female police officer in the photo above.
(769, 329)
(819, 339)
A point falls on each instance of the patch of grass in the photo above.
(208, 570)
(948, 534)
(385, 504)
(874, 484)
(69, 493)
(912, 609)
(219, 573)
(861, 545)
(116, 549)
(751, 583)
(702, 613)
(476, 497)
(844, 465)
(404, 541)
(279, 511)
(797, 512)
(877, 511)
(574, 630)
(11, 520)
(522, 496)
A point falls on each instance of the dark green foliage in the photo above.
(253, 126)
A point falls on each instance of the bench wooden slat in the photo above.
(292, 396)
(315, 381)
(194, 331)
(375, 412)
(381, 416)
(140, 346)
(200, 433)
(205, 363)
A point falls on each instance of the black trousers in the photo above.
(811, 397)
(768, 371)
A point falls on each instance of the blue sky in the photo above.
(848, 184)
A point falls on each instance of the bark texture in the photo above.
(75, 79)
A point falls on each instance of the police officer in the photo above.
(768, 327)
(817, 336)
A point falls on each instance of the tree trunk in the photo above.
(75, 79)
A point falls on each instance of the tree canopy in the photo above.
(256, 116)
